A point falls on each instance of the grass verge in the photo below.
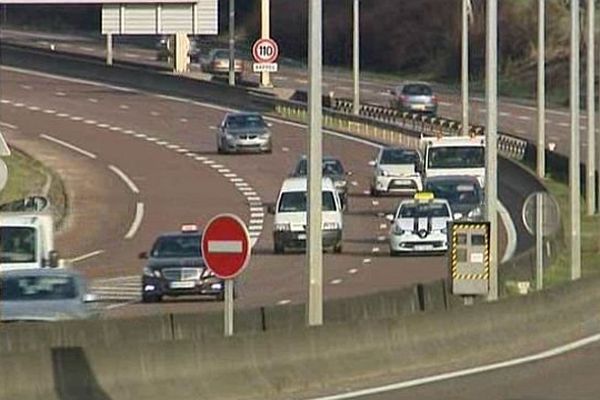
(29, 177)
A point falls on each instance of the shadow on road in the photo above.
(73, 377)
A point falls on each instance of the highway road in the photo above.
(570, 376)
(155, 156)
(144, 149)
(516, 116)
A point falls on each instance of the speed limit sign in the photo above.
(265, 51)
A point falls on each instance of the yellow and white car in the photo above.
(420, 225)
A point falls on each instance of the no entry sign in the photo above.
(226, 246)
(265, 51)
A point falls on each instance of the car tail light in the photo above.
(433, 99)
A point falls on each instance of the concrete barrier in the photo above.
(283, 363)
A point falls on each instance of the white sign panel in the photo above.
(264, 67)
(197, 18)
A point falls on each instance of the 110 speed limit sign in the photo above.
(265, 53)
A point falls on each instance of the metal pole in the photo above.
(591, 114)
(228, 307)
(541, 91)
(314, 257)
(491, 148)
(465, 67)
(574, 158)
(109, 49)
(231, 42)
(539, 241)
(265, 33)
(356, 57)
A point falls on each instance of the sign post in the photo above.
(226, 251)
(265, 53)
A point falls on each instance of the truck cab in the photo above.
(26, 241)
(454, 155)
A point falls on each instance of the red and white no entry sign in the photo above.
(226, 245)
(265, 51)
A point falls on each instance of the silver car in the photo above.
(244, 132)
(415, 97)
(44, 295)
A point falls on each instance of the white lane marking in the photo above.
(375, 250)
(76, 118)
(217, 166)
(162, 143)
(375, 202)
(154, 113)
(511, 232)
(92, 100)
(9, 126)
(116, 128)
(256, 221)
(132, 55)
(86, 256)
(153, 139)
(553, 352)
(90, 122)
(383, 226)
(140, 135)
(137, 220)
(250, 194)
(444, 104)
(212, 128)
(336, 281)
(26, 87)
(524, 118)
(352, 271)
(299, 80)
(103, 126)
(230, 175)
(564, 124)
(208, 162)
(124, 178)
(62, 115)
(241, 184)
(256, 209)
(19, 105)
(504, 114)
(172, 146)
(354, 183)
(62, 94)
(4, 101)
(366, 192)
(236, 180)
(257, 215)
(381, 238)
(33, 108)
(124, 107)
(129, 132)
(68, 146)
(283, 302)
(285, 149)
(49, 111)
(366, 261)
(85, 48)
(200, 158)
(224, 171)
(183, 120)
(257, 199)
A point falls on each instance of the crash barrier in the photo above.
(18, 337)
(290, 363)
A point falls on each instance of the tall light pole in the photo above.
(491, 148)
(574, 159)
(356, 56)
(465, 66)
(231, 42)
(265, 33)
(314, 257)
(541, 91)
(591, 113)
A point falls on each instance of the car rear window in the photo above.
(417, 90)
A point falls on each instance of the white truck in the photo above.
(27, 241)
(454, 155)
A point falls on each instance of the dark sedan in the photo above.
(333, 169)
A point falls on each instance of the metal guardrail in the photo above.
(508, 145)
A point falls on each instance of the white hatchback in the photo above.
(420, 226)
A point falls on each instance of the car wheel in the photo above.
(394, 253)
(221, 296)
(278, 248)
(375, 192)
(338, 248)
(150, 298)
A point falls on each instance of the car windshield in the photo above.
(397, 156)
(417, 90)
(221, 54)
(330, 168)
(423, 210)
(296, 202)
(177, 246)
(455, 192)
(24, 288)
(456, 157)
(245, 121)
(17, 244)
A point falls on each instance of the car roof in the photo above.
(414, 201)
(180, 233)
(243, 114)
(399, 149)
(300, 184)
(40, 272)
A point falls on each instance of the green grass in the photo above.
(560, 270)
(26, 176)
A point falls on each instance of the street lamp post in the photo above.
(591, 114)
(314, 256)
(541, 92)
(231, 42)
(356, 56)
(465, 67)
(491, 148)
(574, 158)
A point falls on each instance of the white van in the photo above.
(289, 228)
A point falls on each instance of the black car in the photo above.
(464, 194)
(333, 169)
(175, 267)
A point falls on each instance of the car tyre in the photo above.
(375, 192)
(394, 253)
(337, 249)
(278, 248)
(151, 298)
